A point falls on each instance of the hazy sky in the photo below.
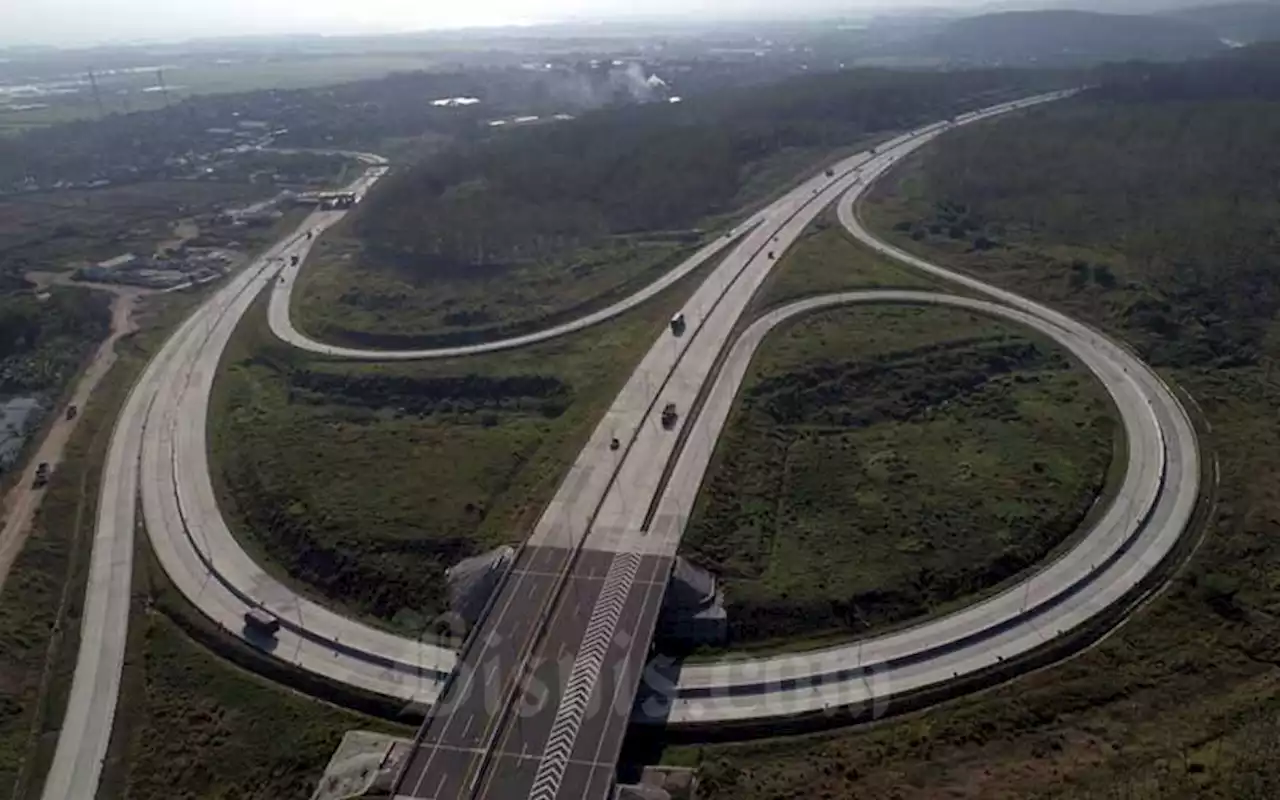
(71, 22)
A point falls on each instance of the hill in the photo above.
(1245, 23)
(1071, 37)
(564, 186)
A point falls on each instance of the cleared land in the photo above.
(884, 461)
(1172, 191)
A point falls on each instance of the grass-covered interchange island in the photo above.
(1145, 208)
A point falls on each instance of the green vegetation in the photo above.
(1053, 36)
(824, 260)
(42, 342)
(342, 298)
(363, 482)
(203, 728)
(885, 461)
(563, 216)
(43, 594)
(191, 725)
(1167, 189)
(40, 606)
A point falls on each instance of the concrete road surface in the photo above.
(601, 513)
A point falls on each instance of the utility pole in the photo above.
(97, 94)
(164, 90)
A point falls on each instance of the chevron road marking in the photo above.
(583, 677)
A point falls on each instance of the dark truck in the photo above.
(42, 475)
(678, 324)
(669, 416)
(262, 622)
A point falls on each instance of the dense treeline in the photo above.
(1169, 201)
(544, 394)
(1248, 73)
(42, 341)
(533, 195)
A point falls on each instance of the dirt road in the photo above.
(23, 500)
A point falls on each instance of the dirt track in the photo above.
(22, 501)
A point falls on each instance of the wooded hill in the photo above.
(539, 192)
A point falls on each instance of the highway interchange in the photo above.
(612, 508)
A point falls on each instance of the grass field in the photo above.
(364, 482)
(1182, 701)
(204, 728)
(885, 461)
(341, 297)
(124, 92)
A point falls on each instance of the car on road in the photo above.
(72, 411)
(831, 173)
(678, 324)
(614, 444)
(42, 475)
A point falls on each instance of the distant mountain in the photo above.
(1100, 6)
(1071, 37)
(1238, 22)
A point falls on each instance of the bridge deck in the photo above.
(560, 733)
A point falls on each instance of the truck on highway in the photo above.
(260, 621)
(678, 324)
(669, 416)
